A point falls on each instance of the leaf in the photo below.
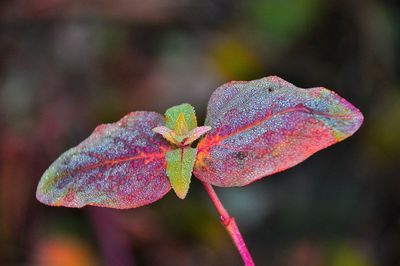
(180, 164)
(195, 133)
(168, 134)
(121, 165)
(265, 126)
(181, 125)
(182, 140)
(181, 118)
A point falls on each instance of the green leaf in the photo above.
(180, 164)
(181, 118)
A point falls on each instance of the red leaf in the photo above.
(121, 165)
(265, 126)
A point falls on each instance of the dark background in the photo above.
(67, 66)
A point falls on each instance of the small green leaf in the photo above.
(181, 118)
(180, 164)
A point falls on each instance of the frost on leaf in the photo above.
(267, 125)
(121, 165)
(180, 164)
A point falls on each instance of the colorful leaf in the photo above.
(195, 133)
(180, 164)
(265, 126)
(168, 134)
(121, 165)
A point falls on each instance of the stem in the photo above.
(230, 226)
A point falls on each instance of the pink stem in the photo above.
(230, 226)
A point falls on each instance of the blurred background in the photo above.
(67, 66)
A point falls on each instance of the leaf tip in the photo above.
(46, 192)
(350, 118)
(54, 188)
(181, 193)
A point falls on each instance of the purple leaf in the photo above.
(121, 165)
(265, 126)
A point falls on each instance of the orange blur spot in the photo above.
(62, 251)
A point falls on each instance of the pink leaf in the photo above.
(196, 133)
(121, 165)
(265, 126)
